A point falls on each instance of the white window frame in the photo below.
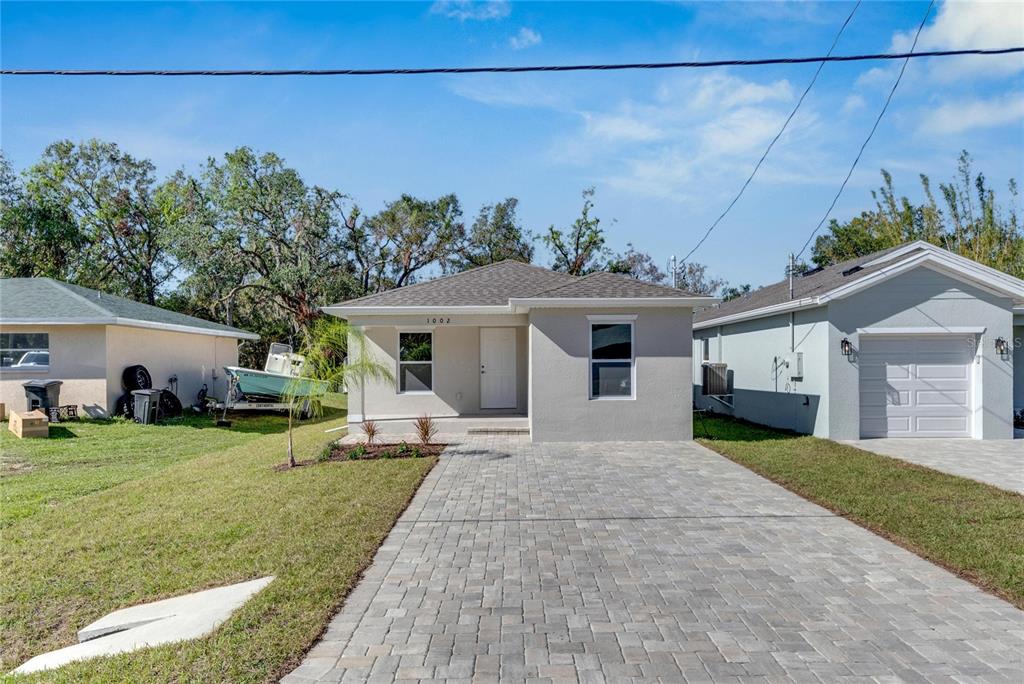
(399, 363)
(705, 350)
(629, 319)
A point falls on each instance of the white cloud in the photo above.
(957, 117)
(509, 90)
(526, 37)
(468, 10)
(960, 25)
(853, 103)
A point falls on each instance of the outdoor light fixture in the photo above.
(846, 347)
(1002, 347)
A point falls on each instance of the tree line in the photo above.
(247, 242)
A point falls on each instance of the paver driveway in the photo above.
(656, 562)
(998, 462)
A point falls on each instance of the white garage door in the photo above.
(915, 386)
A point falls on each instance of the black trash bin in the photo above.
(147, 405)
(42, 394)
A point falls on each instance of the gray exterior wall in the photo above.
(924, 298)
(456, 375)
(560, 407)
(764, 390)
(1018, 343)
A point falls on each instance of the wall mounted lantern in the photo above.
(846, 347)
(1002, 346)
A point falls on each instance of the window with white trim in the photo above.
(415, 362)
(705, 349)
(25, 351)
(611, 360)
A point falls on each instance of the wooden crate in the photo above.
(29, 424)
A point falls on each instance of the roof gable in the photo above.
(839, 280)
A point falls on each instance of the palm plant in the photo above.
(335, 357)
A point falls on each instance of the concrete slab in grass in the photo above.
(151, 624)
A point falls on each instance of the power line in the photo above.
(871, 133)
(778, 135)
(503, 69)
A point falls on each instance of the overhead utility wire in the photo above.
(502, 69)
(778, 135)
(871, 133)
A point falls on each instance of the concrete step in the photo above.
(497, 430)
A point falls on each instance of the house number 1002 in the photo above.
(442, 320)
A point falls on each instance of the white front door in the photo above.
(915, 386)
(497, 368)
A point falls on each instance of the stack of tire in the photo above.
(137, 378)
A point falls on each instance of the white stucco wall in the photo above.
(195, 359)
(923, 298)
(456, 373)
(77, 357)
(764, 390)
(560, 407)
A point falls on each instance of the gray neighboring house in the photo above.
(51, 330)
(593, 358)
(912, 341)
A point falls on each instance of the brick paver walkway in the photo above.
(998, 462)
(654, 562)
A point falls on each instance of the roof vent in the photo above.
(818, 269)
(851, 271)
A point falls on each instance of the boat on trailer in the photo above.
(267, 389)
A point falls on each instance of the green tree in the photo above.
(729, 292)
(970, 222)
(693, 277)
(496, 235)
(335, 359)
(579, 249)
(264, 250)
(636, 264)
(113, 201)
(392, 247)
(39, 239)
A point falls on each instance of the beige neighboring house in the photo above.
(84, 338)
(593, 358)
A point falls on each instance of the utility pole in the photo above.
(674, 270)
(792, 267)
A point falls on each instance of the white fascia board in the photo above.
(965, 264)
(525, 304)
(935, 258)
(934, 330)
(937, 261)
(346, 311)
(763, 312)
(134, 323)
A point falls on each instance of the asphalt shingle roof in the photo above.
(812, 285)
(44, 299)
(495, 284)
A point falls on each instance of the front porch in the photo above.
(451, 430)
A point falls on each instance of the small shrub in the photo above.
(404, 449)
(357, 452)
(325, 453)
(371, 430)
(386, 453)
(416, 453)
(426, 428)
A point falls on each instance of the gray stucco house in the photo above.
(912, 341)
(592, 358)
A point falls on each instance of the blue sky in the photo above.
(665, 150)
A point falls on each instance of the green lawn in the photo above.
(209, 510)
(972, 529)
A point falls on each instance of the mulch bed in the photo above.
(364, 452)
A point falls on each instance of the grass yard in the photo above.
(970, 528)
(102, 527)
